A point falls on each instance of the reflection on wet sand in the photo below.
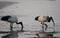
(46, 35)
(29, 34)
(13, 34)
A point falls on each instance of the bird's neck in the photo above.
(17, 23)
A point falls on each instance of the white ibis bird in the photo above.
(44, 19)
(11, 20)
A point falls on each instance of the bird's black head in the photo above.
(36, 18)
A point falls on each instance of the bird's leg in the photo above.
(42, 26)
(46, 26)
(11, 28)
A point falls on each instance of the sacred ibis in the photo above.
(11, 20)
(43, 19)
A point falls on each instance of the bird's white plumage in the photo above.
(13, 19)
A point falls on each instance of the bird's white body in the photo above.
(13, 19)
(44, 19)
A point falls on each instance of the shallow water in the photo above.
(27, 33)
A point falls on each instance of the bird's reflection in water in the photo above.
(13, 34)
(45, 35)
